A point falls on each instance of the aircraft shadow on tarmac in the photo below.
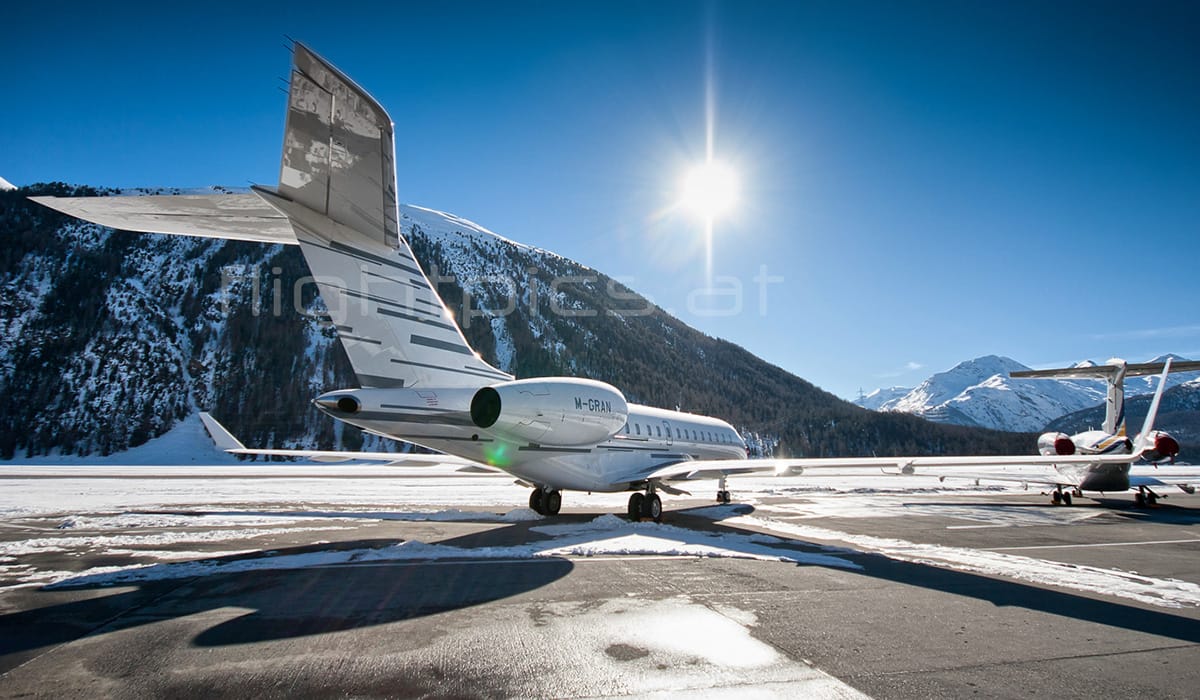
(289, 603)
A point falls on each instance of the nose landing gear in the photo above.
(723, 491)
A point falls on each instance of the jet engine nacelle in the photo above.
(1055, 445)
(1162, 447)
(562, 411)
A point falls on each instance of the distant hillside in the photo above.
(109, 338)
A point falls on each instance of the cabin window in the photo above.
(658, 431)
(626, 428)
(638, 428)
(677, 435)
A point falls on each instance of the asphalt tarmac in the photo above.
(891, 622)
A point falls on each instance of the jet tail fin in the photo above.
(336, 199)
(1143, 437)
(1114, 373)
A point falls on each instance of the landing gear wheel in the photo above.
(1139, 500)
(1066, 498)
(652, 508)
(723, 497)
(635, 507)
(552, 501)
(536, 502)
(1151, 499)
(1056, 498)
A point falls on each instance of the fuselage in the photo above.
(1100, 442)
(1098, 477)
(440, 420)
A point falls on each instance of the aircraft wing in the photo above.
(225, 440)
(714, 468)
(244, 217)
(1047, 477)
(1174, 479)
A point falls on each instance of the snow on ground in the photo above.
(29, 490)
(606, 535)
(1171, 593)
(107, 509)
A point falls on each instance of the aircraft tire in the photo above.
(1056, 498)
(635, 507)
(1139, 500)
(536, 502)
(552, 502)
(652, 508)
(1151, 500)
(1066, 498)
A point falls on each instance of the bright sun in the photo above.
(710, 189)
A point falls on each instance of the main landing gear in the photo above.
(545, 501)
(647, 505)
(1145, 498)
(1060, 497)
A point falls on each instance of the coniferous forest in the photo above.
(108, 339)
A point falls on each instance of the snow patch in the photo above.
(1160, 592)
(605, 535)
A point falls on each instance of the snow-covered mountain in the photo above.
(879, 398)
(6, 185)
(108, 339)
(981, 393)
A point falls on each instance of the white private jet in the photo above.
(1153, 446)
(420, 381)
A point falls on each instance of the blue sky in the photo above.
(931, 183)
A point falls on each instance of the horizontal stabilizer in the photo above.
(243, 217)
(1106, 371)
(223, 439)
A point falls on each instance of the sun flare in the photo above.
(710, 189)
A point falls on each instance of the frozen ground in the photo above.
(152, 523)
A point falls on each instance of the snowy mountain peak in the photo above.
(945, 386)
(6, 185)
(876, 399)
(982, 393)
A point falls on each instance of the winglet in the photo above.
(223, 439)
(1144, 436)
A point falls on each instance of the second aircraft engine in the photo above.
(1055, 445)
(1162, 448)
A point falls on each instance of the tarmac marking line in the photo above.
(1096, 544)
